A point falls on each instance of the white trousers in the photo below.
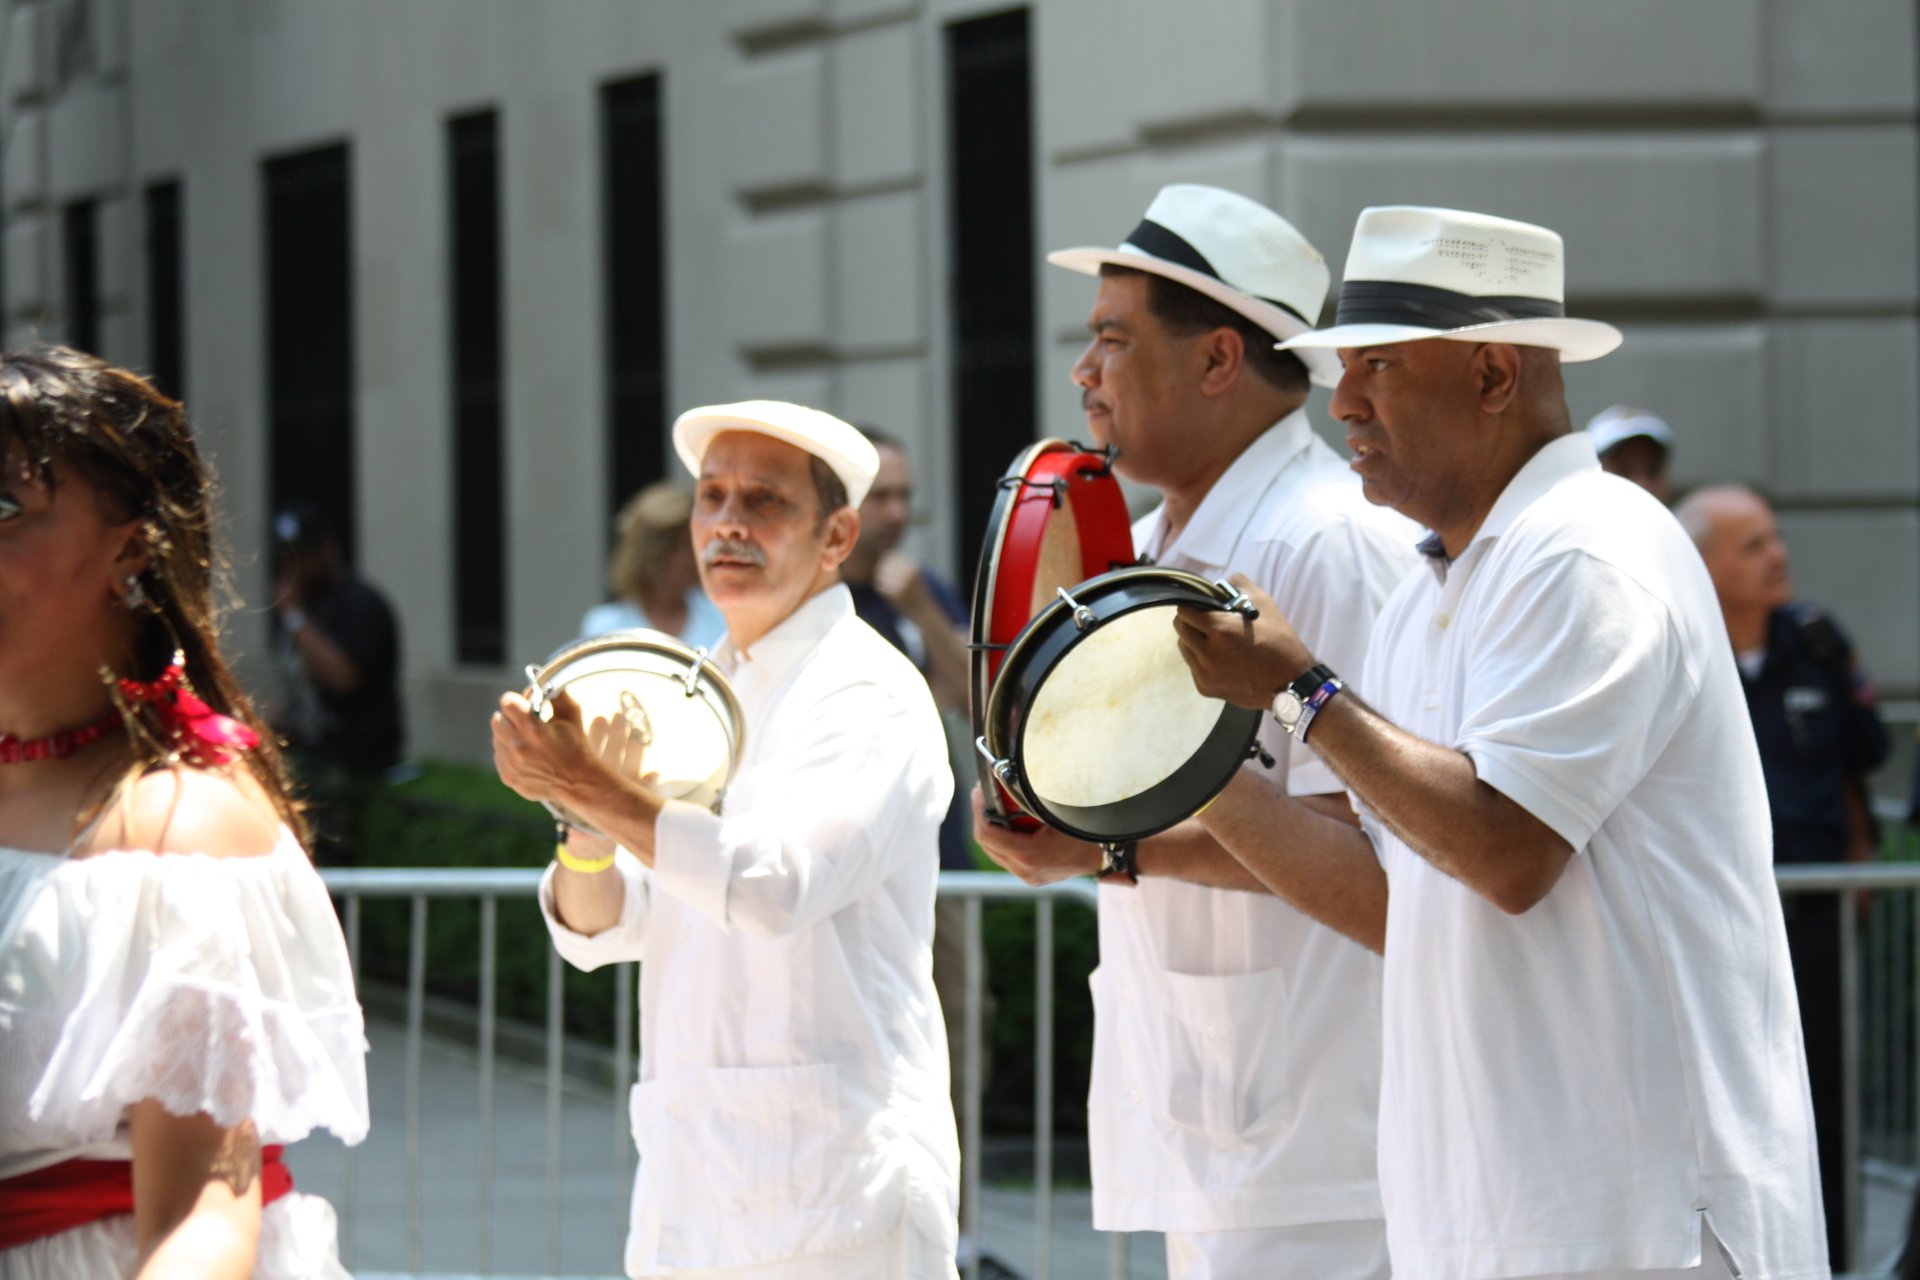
(906, 1255)
(1310, 1251)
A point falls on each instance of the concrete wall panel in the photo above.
(1079, 105)
(879, 266)
(760, 19)
(25, 166)
(1862, 565)
(876, 123)
(118, 253)
(1386, 56)
(1843, 202)
(850, 12)
(1196, 63)
(30, 246)
(776, 282)
(1095, 202)
(27, 61)
(1707, 381)
(1840, 58)
(1671, 217)
(78, 168)
(776, 125)
(1845, 402)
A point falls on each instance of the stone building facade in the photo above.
(849, 203)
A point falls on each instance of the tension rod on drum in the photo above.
(537, 699)
(691, 680)
(1082, 616)
(1056, 489)
(999, 766)
(1238, 601)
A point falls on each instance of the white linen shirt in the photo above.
(1237, 1041)
(793, 1063)
(1566, 1090)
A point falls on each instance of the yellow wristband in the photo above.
(561, 831)
(581, 865)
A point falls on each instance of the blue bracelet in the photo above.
(1321, 697)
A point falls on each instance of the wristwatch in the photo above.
(1296, 705)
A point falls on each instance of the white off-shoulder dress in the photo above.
(217, 985)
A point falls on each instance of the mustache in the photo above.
(1088, 402)
(733, 549)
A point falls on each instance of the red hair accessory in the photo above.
(195, 731)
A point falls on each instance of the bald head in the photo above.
(1738, 539)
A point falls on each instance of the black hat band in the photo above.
(1152, 238)
(1425, 307)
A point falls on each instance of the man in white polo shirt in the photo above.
(1591, 1058)
(1236, 1041)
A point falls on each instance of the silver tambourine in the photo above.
(676, 701)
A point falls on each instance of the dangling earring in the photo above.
(136, 599)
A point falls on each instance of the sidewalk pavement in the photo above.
(467, 1228)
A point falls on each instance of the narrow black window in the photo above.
(635, 244)
(990, 151)
(166, 301)
(80, 225)
(309, 250)
(479, 467)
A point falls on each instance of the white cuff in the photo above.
(618, 941)
(690, 861)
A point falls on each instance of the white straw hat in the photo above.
(1415, 272)
(836, 443)
(1234, 250)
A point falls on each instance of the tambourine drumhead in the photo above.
(1117, 714)
(1059, 519)
(1094, 724)
(677, 702)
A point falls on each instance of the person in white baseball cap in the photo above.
(1253, 1151)
(792, 1115)
(1634, 445)
(1592, 1063)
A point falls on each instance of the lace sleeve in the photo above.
(209, 985)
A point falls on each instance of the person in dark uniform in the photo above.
(339, 649)
(1820, 735)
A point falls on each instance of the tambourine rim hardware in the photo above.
(1003, 759)
(695, 662)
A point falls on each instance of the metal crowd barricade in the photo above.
(1880, 1027)
(421, 887)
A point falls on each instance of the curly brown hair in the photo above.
(136, 446)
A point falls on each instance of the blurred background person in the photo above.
(922, 615)
(1815, 719)
(653, 576)
(1636, 446)
(168, 1022)
(339, 652)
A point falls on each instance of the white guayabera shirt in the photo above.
(793, 1075)
(1236, 1040)
(1572, 1088)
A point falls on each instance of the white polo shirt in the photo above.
(1236, 1041)
(1568, 1089)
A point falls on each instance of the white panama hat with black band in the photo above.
(1234, 250)
(840, 445)
(1415, 272)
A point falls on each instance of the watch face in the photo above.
(1287, 708)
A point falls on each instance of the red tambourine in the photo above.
(1059, 519)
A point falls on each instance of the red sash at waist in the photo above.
(74, 1193)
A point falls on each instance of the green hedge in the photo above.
(459, 816)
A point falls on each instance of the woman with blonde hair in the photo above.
(654, 577)
(175, 996)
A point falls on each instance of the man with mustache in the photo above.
(792, 1111)
(1236, 1040)
(1591, 1051)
